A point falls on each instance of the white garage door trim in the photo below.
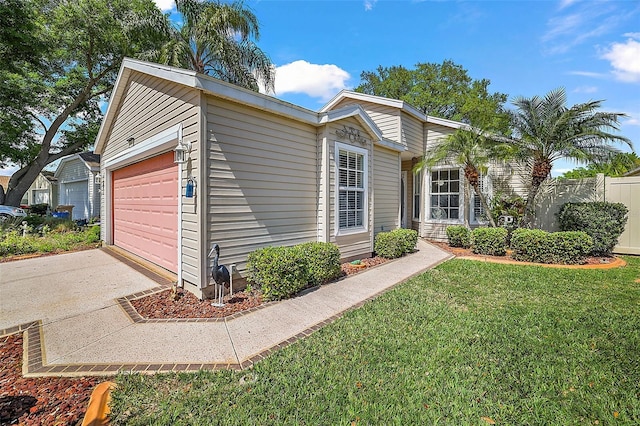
(157, 144)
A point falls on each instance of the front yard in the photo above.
(466, 343)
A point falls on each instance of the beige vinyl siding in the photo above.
(359, 244)
(262, 180)
(386, 189)
(435, 132)
(149, 106)
(386, 118)
(412, 135)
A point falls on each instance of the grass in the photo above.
(12, 243)
(469, 343)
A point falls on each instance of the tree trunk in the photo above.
(530, 206)
(20, 182)
(485, 205)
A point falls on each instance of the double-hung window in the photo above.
(351, 182)
(445, 194)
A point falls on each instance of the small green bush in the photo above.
(323, 261)
(458, 236)
(408, 239)
(604, 222)
(393, 244)
(490, 241)
(535, 245)
(280, 272)
(39, 209)
(33, 221)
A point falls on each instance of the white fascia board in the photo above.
(380, 100)
(351, 111)
(395, 146)
(447, 123)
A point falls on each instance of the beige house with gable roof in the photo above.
(260, 171)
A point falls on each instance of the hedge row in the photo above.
(535, 245)
(282, 272)
(530, 245)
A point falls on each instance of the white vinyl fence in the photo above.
(625, 190)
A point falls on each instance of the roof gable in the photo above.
(89, 159)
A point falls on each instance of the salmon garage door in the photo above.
(145, 210)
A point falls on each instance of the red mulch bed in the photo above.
(59, 401)
(163, 305)
(467, 252)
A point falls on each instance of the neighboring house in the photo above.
(264, 172)
(43, 190)
(77, 184)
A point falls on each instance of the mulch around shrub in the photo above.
(597, 262)
(163, 305)
(60, 401)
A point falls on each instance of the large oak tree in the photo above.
(68, 56)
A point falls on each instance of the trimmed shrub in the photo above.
(394, 244)
(280, 272)
(570, 247)
(490, 241)
(388, 246)
(604, 222)
(458, 236)
(529, 245)
(535, 245)
(408, 239)
(323, 261)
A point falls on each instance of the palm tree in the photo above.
(215, 38)
(472, 149)
(546, 130)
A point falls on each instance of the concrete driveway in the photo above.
(53, 288)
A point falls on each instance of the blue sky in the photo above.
(525, 48)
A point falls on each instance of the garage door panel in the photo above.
(145, 212)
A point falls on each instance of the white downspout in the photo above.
(180, 283)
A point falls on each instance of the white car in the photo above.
(11, 213)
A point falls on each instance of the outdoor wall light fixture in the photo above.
(181, 153)
(131, 140)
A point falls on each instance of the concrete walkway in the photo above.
(77, 320)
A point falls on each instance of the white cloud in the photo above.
(566, 3)
(368, 4)
(164, 5)
(585, 89)
(586, 21)
(588, 74)
(320, 81)
(625, 60)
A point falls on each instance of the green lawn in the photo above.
(466, 343)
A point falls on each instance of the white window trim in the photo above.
(420, 194)
(365, 153)
(427, 192)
